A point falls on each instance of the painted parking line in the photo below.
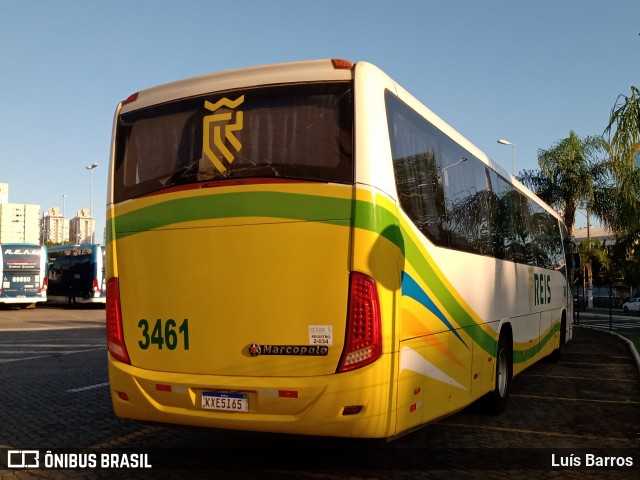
(48, 345)
(57, 353)
(594, 364)
(90, 387)
(615, 326)
(581, 400)
(568, 377)
(533, 432)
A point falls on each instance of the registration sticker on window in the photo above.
(229, 402)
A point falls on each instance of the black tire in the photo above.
(495, 402)
(554, 357)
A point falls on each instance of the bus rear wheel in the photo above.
(496, 401)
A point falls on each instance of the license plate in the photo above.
(229, 402)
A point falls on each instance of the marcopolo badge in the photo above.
(295, 350)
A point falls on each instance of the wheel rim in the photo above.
(502, 373)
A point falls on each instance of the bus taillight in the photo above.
(340, 64)
(115, 334)
(363, 341)
(45, 285)
(96, 285)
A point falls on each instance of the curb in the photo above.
(632, 347)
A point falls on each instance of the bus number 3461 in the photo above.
(165, 333)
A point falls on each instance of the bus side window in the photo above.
(415, 164)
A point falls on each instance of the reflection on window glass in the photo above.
(457, 202)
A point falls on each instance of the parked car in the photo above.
(633, 305)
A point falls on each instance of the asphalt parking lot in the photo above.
(51, 317)
(55, 395)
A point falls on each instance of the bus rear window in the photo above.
(294, 132)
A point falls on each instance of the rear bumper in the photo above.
(294, 405)
(18, 300)
(78, 300)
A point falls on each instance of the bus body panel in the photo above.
(373, 166)
(449, 324)
(264, 279)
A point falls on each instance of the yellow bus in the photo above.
(305, 248)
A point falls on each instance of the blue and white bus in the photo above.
(23, 269)
(76, 274)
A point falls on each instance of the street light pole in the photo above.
(64, 217)
(502, 141)
(90, 168)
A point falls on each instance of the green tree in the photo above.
(590, 250)
(623, 212)
(624, 134)
(572, 173)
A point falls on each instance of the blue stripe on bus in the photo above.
(411, 289)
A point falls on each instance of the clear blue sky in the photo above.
(526, 71)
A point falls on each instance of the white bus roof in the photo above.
(302, 71)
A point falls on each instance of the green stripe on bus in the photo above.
(520, 356)
(229, 205)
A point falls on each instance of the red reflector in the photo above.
(412, 408)
(163, 388)
(340, 64)
(352, 410)
(123, 396)
(288, 393)
(131, 98)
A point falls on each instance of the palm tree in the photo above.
(624, 151)
(625, 141)
(589, 250)
(623, 215)
(571, 174)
